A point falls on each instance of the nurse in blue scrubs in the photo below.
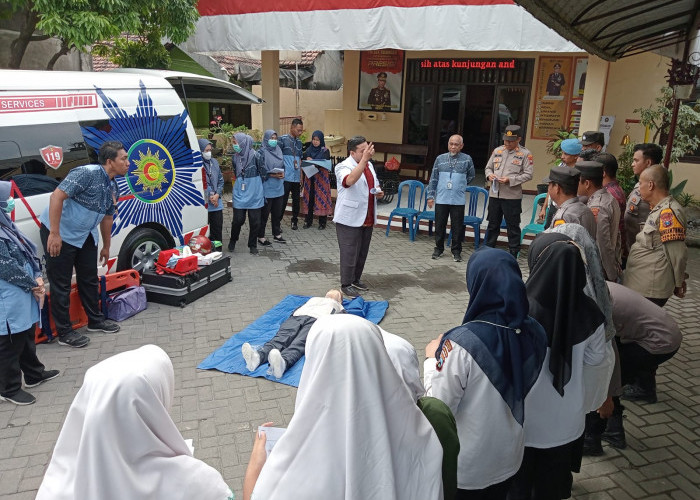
(248, 192)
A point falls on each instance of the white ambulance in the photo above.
(51, 122)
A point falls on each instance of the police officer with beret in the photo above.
(606, 211)
(508, 168)
(563, 186)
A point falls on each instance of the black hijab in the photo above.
(557, 301)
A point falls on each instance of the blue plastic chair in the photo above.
(426, 214)
(409, 211)
(533, 227)
(474, 217)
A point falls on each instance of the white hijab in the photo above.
(405, 359)
(118, 440)
(356, 433)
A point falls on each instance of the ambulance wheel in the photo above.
(140, 250)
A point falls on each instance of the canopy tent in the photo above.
(473, 25)
(621, 28)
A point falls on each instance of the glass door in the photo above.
(510, 108)
(478, 118)
(452, 100)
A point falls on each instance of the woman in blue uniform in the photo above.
(248, 193)
(270, 157)
(21, 292)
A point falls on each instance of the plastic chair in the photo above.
(426, 214)
(408, 211)
(533, 227)
(472, 218)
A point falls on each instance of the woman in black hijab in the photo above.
(556, 406)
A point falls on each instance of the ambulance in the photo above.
(52, 122)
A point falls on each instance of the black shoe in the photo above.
(350, 291)
(633, 392)
(437, 254)
(47, 375)
(73, 339)
(294, 226)
(231, 246)
(279, 239)
(21, 398)
(254, 250)
(592, 447)
(614, 433)
(307, 225)
(321, 227)
(457, 257)
(360, 286)
(265, 243)
(106, 326)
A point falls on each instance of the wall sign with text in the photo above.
(553, 95)
(381, 80)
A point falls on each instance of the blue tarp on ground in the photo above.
(228, 357)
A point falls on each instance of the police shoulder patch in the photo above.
(595, 211)
(670, 227)
(558, 222)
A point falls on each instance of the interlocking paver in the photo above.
(220, 411)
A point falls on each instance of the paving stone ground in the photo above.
(220, 411)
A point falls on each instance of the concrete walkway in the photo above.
(220, 411)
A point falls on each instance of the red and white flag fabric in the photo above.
(474, 25)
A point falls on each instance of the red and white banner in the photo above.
(474, 25)
(44, 102)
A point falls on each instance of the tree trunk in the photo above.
(19, 45)
(61, 52)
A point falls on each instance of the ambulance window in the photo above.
(104, 126)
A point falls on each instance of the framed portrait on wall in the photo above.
(553, 95)
(381, 80)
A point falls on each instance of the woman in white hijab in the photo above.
(356, 432)
(119, 442)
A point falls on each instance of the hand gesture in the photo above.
(368, 152)
(53, 244)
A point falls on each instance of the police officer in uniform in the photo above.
(592, 143)
(645, 155)
(607, 216)
(380, 96)
(508, 168)
(657, 260)
(562, 188)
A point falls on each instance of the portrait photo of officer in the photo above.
(380, 96)
(555, 81)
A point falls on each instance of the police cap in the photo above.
(565, 176)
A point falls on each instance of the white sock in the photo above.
(277, 363)
(251, 356)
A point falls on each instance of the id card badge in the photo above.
(449, 185)
(242, 186)
(296, 165)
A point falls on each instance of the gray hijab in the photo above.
(273, 156)
(595, 279)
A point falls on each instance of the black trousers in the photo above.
(17, 355)
(273, 209)
(353, 243)
(498, 491)
(290, 339)
(658, 302)
(456, 214)
(216, 224)
(253, 221)
(511, 210)
(639, 365)
(545, 474)
(60, 272)
(309, 218)
(294, 188)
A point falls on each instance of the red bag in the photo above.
(393, 164)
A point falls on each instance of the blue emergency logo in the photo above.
(159, 182)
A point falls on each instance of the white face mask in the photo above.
(206, 155)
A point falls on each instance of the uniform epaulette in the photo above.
(670, 227)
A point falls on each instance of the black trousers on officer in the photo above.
(59, 270)
(253, 221)
(273, 210)
(511, 210)
(17, 356)
(290, 339)
(639, 365)
(294, 188)
(456, 213)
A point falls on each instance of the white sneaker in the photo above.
(277, 363)
(251, 356)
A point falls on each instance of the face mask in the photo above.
(206, 155)
(272, 143)
(10, 205)
(236, 148)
